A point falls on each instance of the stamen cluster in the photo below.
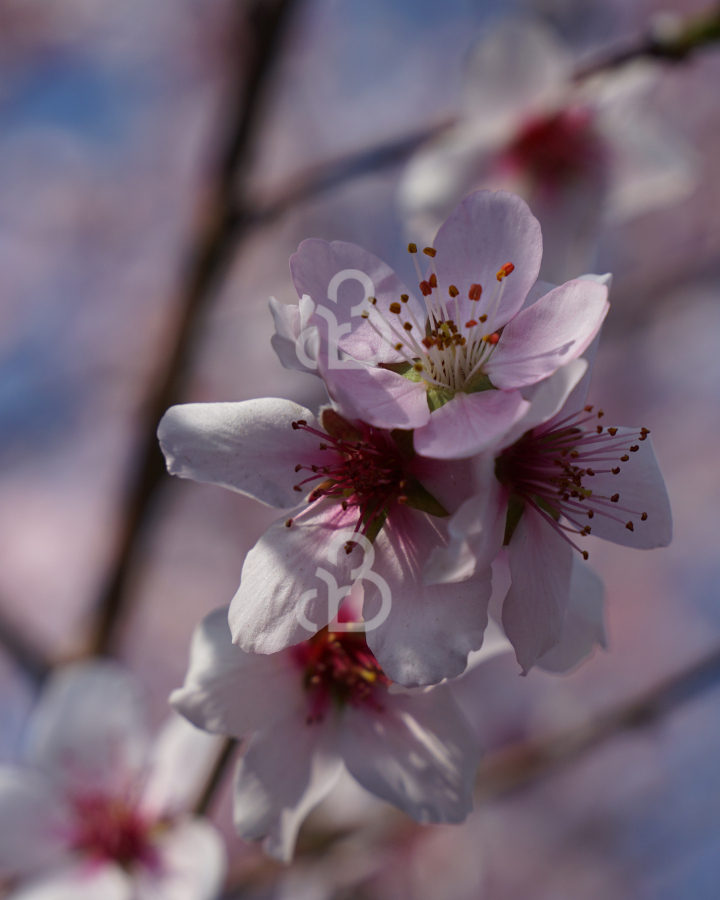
(112, 829)
(339, 669)
(558, 148)
(551, 468)
(445, 352)
(366, 474)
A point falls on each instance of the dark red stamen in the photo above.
(367, 474)
(548, 469)
(110, 829)
(339, 669)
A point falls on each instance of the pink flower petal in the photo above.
(314, 267)
(476, 531)
(486, 231)
(377, 396)
(430, 629)
(584, 626)
(417, 752)
(534, 610)
(548, 398)
(548, 334)
(470, 423)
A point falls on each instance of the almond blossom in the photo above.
(559, 476)
(371, 511)
(577, 150)
(314, 709)
(452, 366)
(96, 811)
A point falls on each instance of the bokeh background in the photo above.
(113, 117)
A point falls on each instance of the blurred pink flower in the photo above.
(99, 813)
(451, 368)
(560, 474)
(314, 708)
(374, 513)
(575, 150)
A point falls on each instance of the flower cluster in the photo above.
(98, 812)
(578, 150)
(458, 435)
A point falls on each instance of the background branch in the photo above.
(519, 765)
(29, 659)
(257, 44)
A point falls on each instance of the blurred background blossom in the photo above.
(113, 117)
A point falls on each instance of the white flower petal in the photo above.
(287, 770)
(83, 881)
(417, 753)
(248, 447)
(88, 729)
(33, 822)
(288, 575)
(192, 865)
(180, 761)
(232, 692)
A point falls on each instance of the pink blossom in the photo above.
(579, 151)
(451, 367)
(561, 475)
(97, 812)
(373, 512)
(308, 712)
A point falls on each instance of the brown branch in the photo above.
(521, 764)
(23, 652)
(325, 177)
(675, 46)
(216, 778)
(257, 47)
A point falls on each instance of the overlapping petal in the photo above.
(553, 331)
(470, 423)
(429, 630)
(534, 609)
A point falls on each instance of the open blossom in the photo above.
(452, 366)
(96, 812)
(561, 475)
(313, 709)
(575, 150)
(372, 510)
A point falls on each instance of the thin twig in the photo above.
(216, 777)
(519, 765)
(23, 652)
(677, 45)
(261, 33)
(325, 177)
